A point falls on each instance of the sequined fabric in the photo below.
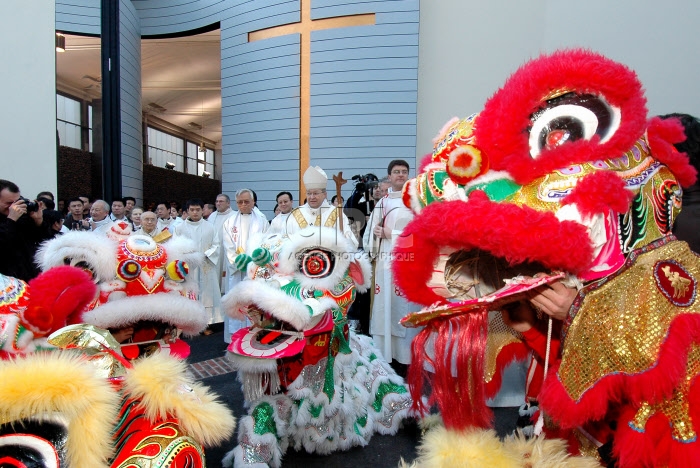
(616, 331)
(676, 409)
(500, 335)
(263, 415)
(255, 452)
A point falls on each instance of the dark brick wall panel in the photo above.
(163, 184)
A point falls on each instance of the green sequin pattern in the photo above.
(264, 419)
(385, 389)
(361, 422)
(315, 410)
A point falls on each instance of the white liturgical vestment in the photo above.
(389, 212)
(325, 216)
(207, 241)
(236, 231)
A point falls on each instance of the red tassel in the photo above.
(460, 343)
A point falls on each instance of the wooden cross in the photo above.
(339, 181)
(304, 28)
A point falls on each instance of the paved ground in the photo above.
(208, 365)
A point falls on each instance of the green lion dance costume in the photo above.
(307, 380)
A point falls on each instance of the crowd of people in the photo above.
(221, 232)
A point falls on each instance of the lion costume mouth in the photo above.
(473, 280)
(435, 248)
(280, 324)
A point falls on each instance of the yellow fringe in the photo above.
(441, 448)
(161, 383)
(62, 382)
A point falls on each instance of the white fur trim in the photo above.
(187, 314)
(269, 299)
(320, 306)
(182, 248)
(97, 251)
(248, 364)
(246, 431)
(411, 188)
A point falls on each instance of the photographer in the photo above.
(21, 232)
(360, 203)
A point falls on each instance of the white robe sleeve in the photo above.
(370, 241)
(213, 253)
(228, 243)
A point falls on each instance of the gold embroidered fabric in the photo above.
(299, 217)
(623, 321)
(500, 335)
(677, 409)
(330, 222)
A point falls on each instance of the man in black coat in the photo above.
(21, 231)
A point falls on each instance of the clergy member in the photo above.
(235, 232)
(285, 203)
(149, 227)
(317, 211)
(163, 213)
(386, 222)
(218, 218)
(100, 222)
(202, 233)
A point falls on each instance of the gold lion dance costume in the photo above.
(561, 177)
(70, 394)
(307, 380)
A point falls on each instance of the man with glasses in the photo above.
(317, 211)
(236, 231)
(389, 217)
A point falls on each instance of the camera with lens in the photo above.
(32, 206)
(364, 182)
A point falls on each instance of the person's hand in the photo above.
(123, 334)
(519, 316)
(17, 209)
(382, 232)
(553, 299)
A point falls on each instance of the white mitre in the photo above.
(315, 178)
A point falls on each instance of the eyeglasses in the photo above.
(314, 194)
(399, 172)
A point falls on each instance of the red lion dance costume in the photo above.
(563, 174)
(70, 394)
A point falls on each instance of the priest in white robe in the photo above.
(385, 225)
(164, 219)
(149, 227)
(217, 219)
(235, 232)
(285, 205)
(317, 211)
(202, 233)
(100, 222)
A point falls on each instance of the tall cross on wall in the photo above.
(304, 27)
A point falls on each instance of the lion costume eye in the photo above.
(316, 263)
(572, 117)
